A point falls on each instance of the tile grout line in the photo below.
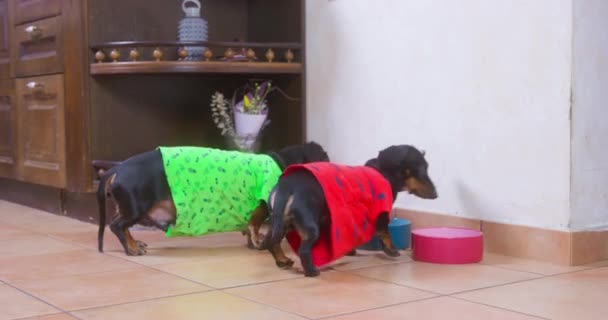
(265, 304)
(510, 269)
(380, 307)
(500, 308)
(45, 315)
(389, 282)
(140, 300)
(31, 295)
(14, 282)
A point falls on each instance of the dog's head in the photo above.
(406, 169)
(303, 153)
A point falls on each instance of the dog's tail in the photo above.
(105, 179)
(279, 204)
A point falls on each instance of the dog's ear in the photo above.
(374, 163)
(314, 143)
(315, 152)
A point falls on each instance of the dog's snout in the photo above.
(429, 191)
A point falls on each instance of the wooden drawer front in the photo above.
(32, 10)
(8, 130)
(36, 47)
(4, 43)
(41, 132)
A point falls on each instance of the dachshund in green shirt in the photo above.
(191, 191)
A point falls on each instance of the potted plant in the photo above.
(243, 121)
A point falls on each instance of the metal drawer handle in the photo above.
(35, 32)
(34, 85)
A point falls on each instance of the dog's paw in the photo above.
(352, 253)
(141, 244)
(285, 264)
(312, 272)
(392, 252)
(140, 251)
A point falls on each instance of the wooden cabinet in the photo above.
(32, 10)
(41, 130)
(8, 130)
(4, 39)
(36, 47)
(34, 98)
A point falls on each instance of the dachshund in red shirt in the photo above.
(325, 210)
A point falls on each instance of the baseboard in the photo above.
(561, 247)
(81, 206)
(589, 247)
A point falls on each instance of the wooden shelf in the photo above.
(159, 67)
(226, 44)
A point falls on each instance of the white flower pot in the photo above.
(248, 124)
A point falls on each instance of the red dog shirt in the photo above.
(355, 197)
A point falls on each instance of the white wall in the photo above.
(483, 86)
(590, 116)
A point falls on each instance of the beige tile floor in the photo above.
(50, 269)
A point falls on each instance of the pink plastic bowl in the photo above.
(447, 245)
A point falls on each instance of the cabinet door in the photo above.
(36, 47)
(41, 130)
(4, 42)
(31, 10)
(8, 130)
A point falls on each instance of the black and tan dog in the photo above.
(141, 193)
(310, 202)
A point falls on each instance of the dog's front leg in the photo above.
(382, 232)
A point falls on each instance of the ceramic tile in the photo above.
(56, 265)
(15, 304)
(33, 245)
(437, 309)
(20, 215)
(527, 265)
(329, 294)
(444, 279)
(88, 239)
(189, 249)
(551, 298)
(9, 231)
(209, 305)
(60, 316)
(595, 276)
(53, 225)
(238, 268)
(101, 289)
(365, 259)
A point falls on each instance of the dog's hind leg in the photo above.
(281, 260)
(123, 220)
(132, 247)
(309, 233)
(254, 238)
